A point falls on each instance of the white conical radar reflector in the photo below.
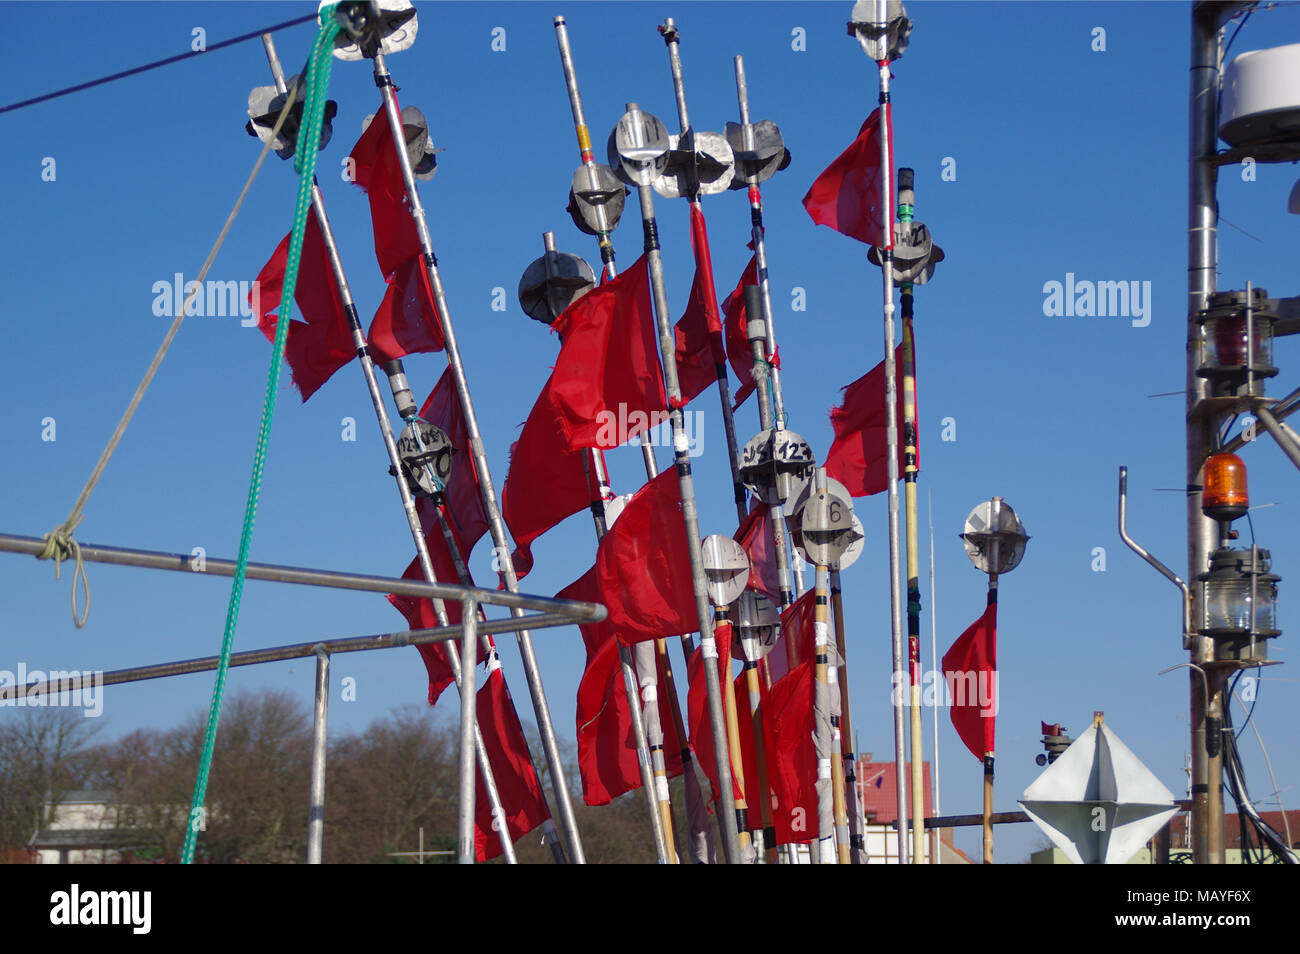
(1098, 803)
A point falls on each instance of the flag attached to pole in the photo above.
(546, 481)
(419, 614)
(970, 672)
(698, 333)
(846, 196)
(512, 768)
(377, 169)
(607, 757)
(468, 519)
(788, 730)
(858, 457)
(406, 321)
(607, 386)
(755, 537)
(739, 351)
(322, 343)
(697, 707)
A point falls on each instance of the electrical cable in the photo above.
(210, 48)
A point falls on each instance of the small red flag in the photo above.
(698, 332)
(970, 672)
(755, 536)
(407, 319)
(859, 454)
(798, 631)
(468, 519)
(607, 757)
(512, 768)
(643, 566)
(607, 386)
(377, 169)
(420, 615)
(739, 351)
(847, 195)
(545, 483)
(697, 707)
(320, 345)
(788, 728)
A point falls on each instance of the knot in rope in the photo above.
(60, 546)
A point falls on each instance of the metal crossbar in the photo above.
(549, 612)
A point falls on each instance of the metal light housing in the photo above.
(1236, 343)
(1239, 600)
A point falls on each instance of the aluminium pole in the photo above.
(320, 717)
(545, 728)
(1202, 262)
(891, 425)
(857, 837)
(394, 458)
(934, 656)
(468, 725)
(690, 515)
(701, 835)
(656, 796)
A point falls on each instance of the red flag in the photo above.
(697, 707)
(698, 333)
(469, 521)
(847, 195)
(407, 319)
(643, 566)
(420, 615)
(320, 345)
(858, 455)
(512, 767)
(970, 671)
(755, 536)
(545, 483)
(797, 631)
(607, 757)
(788, 729)
(739, 351)
(607, 386)
(377, 169)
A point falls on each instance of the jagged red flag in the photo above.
(859, 454)
(739, 351)
(788, 729)
(755, 536)
(970, 672)
(512, 767)
(376, 169)
(406, 321)
(419, 614)
(607, 386)
(468, 519)
(322, 343)
(607, 758)
(797, 631)
(697, 707)
(846, 196)
(545, 482)
(643, 566)
(698, 333)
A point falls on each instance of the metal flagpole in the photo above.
(545, 728)
(857, 840)
(640, 141)
(699, 154)
(934, 656)
(597, 203)
(598, 485)
(394, 457)
(876, 37)
(753, 166)
(319, 734)
(995, 521)
(688, 184)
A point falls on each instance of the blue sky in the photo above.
(1068, 160)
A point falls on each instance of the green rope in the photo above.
(318, 75)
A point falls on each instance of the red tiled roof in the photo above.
(876, 781)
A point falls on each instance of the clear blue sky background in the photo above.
(1067, 160)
